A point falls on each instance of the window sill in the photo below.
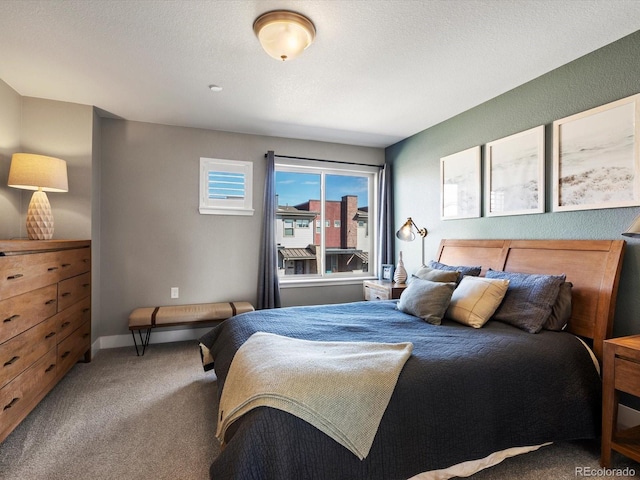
(323, 282)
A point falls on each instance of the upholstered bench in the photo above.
(147, 318)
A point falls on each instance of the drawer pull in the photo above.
(65, 354)
(85, 310)
(50, 367)
(11, 403)
(49, 302)
(65, 265)
(51, 334)
(12, 317)
(65, 324)
(85, 335)
(85, 285)
(65, 294)
(51, 269)
(13, 360)
(13, 277)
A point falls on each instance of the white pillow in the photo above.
(475, 299)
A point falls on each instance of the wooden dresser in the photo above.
(45, 320)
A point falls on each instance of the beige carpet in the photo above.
(121, 417)
(154, 417)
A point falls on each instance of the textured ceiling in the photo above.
(379, 70)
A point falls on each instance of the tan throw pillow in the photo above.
(475, 299)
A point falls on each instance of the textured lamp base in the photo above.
(39, 217)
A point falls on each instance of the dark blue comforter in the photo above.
(462, 395)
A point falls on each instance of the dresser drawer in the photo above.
(73, 262)
(71, 349)
(17, 396)
(73, 289)
(23, 273)
(372, 293)
(71, 318)
(21, 351)
(22, 312)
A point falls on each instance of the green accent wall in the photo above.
(608, 74)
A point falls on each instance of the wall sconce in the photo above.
(42, 174)
(406, 233)
(284, 35)
(634, 229)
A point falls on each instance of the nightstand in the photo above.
(621, 373)
(379, 290)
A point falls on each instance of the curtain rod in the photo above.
(328, 161)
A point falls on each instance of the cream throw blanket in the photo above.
(341, 388)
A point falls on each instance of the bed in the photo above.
(465, 397)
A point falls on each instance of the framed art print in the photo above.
(460, 184)
(386, 273)
(514, 174)
(596, 157)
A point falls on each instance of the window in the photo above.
(288, 227)
(226, 187)
(338, 201)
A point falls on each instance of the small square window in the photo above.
(336, 223)
(226, 187)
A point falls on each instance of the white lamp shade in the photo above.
(33, 172)
(405, 233)
(284, 35)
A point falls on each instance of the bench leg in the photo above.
(143, 341)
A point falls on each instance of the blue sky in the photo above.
(294, 188)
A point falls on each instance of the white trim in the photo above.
(118, 341)
(324, 282)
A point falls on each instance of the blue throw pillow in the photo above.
(463, 270)
(529, 299)
(426, 299)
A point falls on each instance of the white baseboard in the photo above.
(117, 341)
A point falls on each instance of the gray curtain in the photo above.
(268, 284)
(385, 218)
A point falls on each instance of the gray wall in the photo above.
(63, 130)
(608, 74)
(152, 236)
(10, 114)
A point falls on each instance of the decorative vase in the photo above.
(400, 275)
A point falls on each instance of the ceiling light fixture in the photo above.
(215, 88)
(284, 35)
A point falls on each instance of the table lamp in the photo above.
(406, 233)
(42, 174)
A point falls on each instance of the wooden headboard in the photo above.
(593, 266)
